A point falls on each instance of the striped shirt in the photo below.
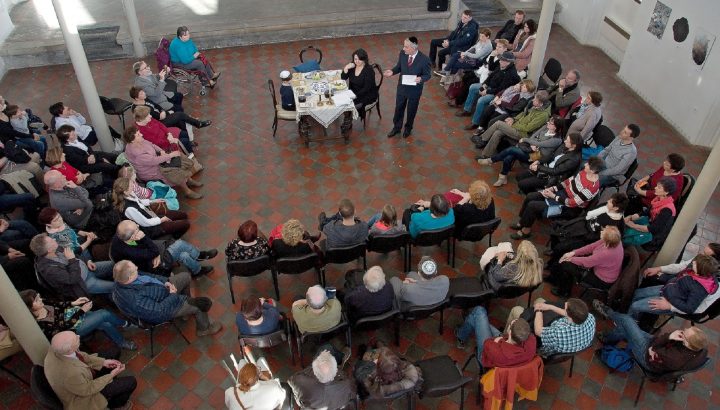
(580, 190)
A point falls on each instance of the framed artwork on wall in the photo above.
(702, 44)
(659, 20)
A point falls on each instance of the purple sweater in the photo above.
(605, 262)
(146, 161)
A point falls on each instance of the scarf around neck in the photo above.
(658, 204)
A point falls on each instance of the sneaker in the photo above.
(128, 345)
(321, 219)
(205, 123)
(204, 270)
(479, 131)
(519, 235)
(347, 352)
(208, 254)
(601, 308)
(484, 161)
(211, 330)
(462, 113)
(475, 139)
(470, 126)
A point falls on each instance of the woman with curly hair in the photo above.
(475, 206)
(294, 241)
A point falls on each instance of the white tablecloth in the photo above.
(325, 114)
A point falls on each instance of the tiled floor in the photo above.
(251, 175)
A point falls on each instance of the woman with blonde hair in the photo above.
(295, 241)
(523, 268)
(256, 390)
(472, 207)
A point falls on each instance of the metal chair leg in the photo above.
(232, 294)
(442, 311)
(637, 397)
(275, 274)
(180, 331)
(462, 397)
(152, 344)
(572, 364)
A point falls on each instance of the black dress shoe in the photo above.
(205, 123)
(469, 127)
(476, 139)
(204, 270)
(462, 113)
(393, 132)
(407, 133)
(481, 144)
(208, 254)
(559, 293)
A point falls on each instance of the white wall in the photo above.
(6, 27)
(662, 72)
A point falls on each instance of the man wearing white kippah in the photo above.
(422, 288)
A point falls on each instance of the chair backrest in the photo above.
(434, 236)
(387, 243)
(271, 88)
(631, 170)
(313, 48)
(689, 183)
(106, 104)
(377, 68)
(377, 321)
(248, 267)
(621, 292)
(564, 111)
(162, 53)
(264, 341)
(296, 264)
(343, 325)
(421, 312)
(514, 291)
(41, 389)
(345, 254)
(476, 232)
(603, 136)
(553, 70)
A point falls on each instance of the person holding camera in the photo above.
(154, 87)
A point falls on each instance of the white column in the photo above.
(21, 322)
(84, 76)
(134, 27)
(699, 197)
(547, 13)
(455, 11)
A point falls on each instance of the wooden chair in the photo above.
(376, 104)
(280, 113)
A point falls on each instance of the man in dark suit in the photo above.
(460, 39)
(410, 62)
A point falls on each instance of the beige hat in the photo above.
(285, 75)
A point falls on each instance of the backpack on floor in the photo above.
(616, 358)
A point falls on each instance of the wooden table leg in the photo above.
(346, 126)
(304, 129)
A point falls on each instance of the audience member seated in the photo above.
(17, 233)
(682, 349)
(381, 373)
(422, 288)
(316, 313)
(597, 264)
(551, 169)
(295, 241)
(8, 133)
(152, 163)
(513, 347)
(566, 329)
(512, 129)
(20, 121)
(323, 385)
(184, 54)
(510, 103)
(82, 156)
(63, 115)
(619, 155)
(584, 230)
(67, 275)
(84, 381)
(654, 224)
(255, 389)
(662, 274)
(459, 39)
(361, 78)
(94, 183)
(75, 316)
(428, 215)
(684, 293)
(642, 192)
(504, 268)
(566, 91)
(484, 92)
(523, 44)
(249, 244)
(154, 131)
(155, 299)
(131, 243)
(257, 316)
(342, 229)
(169, 117)
(14, 250)
(541, 144)
(125, 201)
(511, 27)
(385, 222)
(472, 207)
(161, 198)
(588, 116)
(491, 64)
(13, 159)
(371, 297)
(566, 200)
(471, 58)
(65, 236)
(154, 87)
(70, 200)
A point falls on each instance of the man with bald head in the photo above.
(72, 201)
(83, 381)
(316, 313)
(158, 257)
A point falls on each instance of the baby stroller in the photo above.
(188, 78)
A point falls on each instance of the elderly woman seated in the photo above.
(255, 389)
(249, 244)
(642, 192)
(257, 316)
(372, 297)
(472, 207)
(428, 215)
(156, 132)
(94, 183)
(587, 116)
(152, 163)
(184, 54)
(381, 373)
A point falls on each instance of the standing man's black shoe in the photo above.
(393, 132)
(407, 133)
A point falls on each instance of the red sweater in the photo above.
(654, 178)
(504, 354)
(156, 132)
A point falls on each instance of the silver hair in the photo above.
(325, 367)
(577, 74)
(63, 348)
(125, 230)
(374, 279)
(316, 297)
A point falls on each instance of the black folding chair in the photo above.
(671, 377)
(422, 312)
(433, 237)
(246, 268)
(476, 233)
(346, 254)
(296, 265)
(301, 338)
(390, 243)
(514, 292)
(311, 48)
(281, 335)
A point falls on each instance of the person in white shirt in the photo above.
(255, 389)
(63, 114)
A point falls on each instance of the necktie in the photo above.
(410, 60)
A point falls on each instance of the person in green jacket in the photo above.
(533, 117)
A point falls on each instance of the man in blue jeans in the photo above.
(158, 257)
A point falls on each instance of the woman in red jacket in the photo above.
(157, 133)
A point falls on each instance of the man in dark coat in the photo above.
(460, 39)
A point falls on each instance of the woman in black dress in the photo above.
(362, 80)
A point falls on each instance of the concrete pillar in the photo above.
(84, 76)
(455, 10)
(21, 322)
(547, 13)
(699, 197)
(134, 27)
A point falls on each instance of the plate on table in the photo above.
(339, 85)
(319, 88)
(315, 75)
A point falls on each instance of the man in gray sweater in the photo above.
(70, 200)
(619, 155)
(422, 288)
